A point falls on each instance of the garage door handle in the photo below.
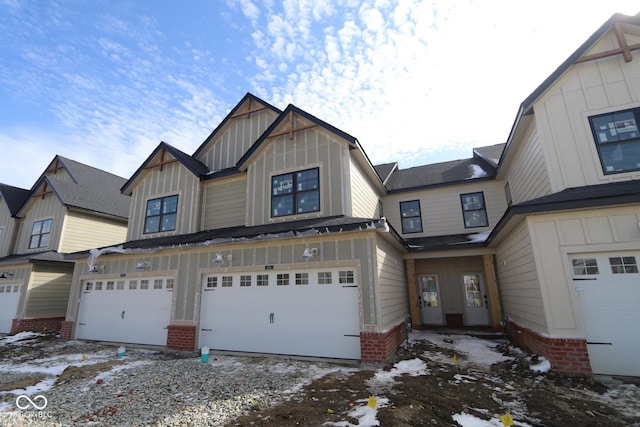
(206, 330)
(272, 317)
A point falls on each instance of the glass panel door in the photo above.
(429, 297)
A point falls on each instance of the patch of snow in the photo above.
(366, 415)
(413, 367)
(9, 339)
(475, 171)
(543, 366)
(468, 420)
(479, 237)
(478, 351)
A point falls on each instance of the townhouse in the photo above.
(278, 235)
(71, 207)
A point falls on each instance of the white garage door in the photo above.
(608, 288)
(303, 313)
(9, 297)
(129, 311)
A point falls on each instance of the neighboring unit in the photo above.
(71, 207)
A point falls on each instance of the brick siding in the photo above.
(36, 325)
(568, 356)
(379, 347)
(181, 337)
(66, 330)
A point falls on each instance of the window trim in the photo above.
(40, 234)
(419, 215)
(294, 193)
(483, 210)
(597, 144)
(161, 214)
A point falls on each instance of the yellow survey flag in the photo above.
(506, 420)
(372, 402)
(455, 358)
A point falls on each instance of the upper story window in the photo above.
(411, 217)
(40, 234)
(617, 140)
(295, 193)
(474, 210)
(161, 214)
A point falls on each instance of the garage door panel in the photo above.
(9, 298)
(282, 317)
(608, 288)
(128, 311)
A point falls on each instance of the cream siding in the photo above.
(83, 231)
(48, 293)
(528, 176)
(7, 228)
(519, 281)
(441, 208)
(392, 284)
(233, 141)
(225, 203)
(173, 179)
(365, 201)
(309, 149)
(354, 249)
(556, 236)
(586, 89)
(41, 209)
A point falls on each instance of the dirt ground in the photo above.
(538, 399)
(430, 400)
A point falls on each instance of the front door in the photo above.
(429, 297)
(476, 305)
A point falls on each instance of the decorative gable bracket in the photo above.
(162, 161)
(624, 49)
(291, 128)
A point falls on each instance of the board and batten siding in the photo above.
(310, 148)
(391, 285)
(48, 293)
(225, 203)
(519, 281)
(528, 176)
(173, 179)
(556, 236)
(441, 208)
(235, 139)
(365, 200)
(595, 87)
(7, 229)
(82, 231)
(41, 209)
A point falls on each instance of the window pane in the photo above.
(44, 240)
(309, 202)
(33, 243)
(411, 225)
(475, 219)
(282, 184)
(472, 201)
(170, 204)
(168, 222)
(152, 224)
(582, 267)
(282, 205)
(153, 207)
(408, 209)
(37, 226)
(307, 180)
(46, 226)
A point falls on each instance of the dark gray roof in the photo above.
(385, 170)
(196, 167)
(14, 197)
(92, 189)
(490, 154)
(439, 174)
(38, 257)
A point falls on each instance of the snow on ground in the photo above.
(20, 336)
(478, 351)
(468, 420)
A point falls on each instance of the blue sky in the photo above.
(103, 82)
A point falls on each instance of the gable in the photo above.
(224, 147)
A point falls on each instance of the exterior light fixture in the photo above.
(142, 265)
(6, 274)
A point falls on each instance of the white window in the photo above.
(302, 278)
(584, 266)
(324, 278)
(133, 284)
(623, 265)
(227, 281)
(144, 284)
(212, 282)
(245, 281)
(120, 285)
(262, 280)
(346, 277)
(169, 284)
(283, 279)
(98, 286)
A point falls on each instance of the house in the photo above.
(269, 238)
(71, 207)
(278, 235)
(567, 248)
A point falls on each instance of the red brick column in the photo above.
(568, 356)
(36, 325)
(181, 337)
(66, 329)
(378, 347)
